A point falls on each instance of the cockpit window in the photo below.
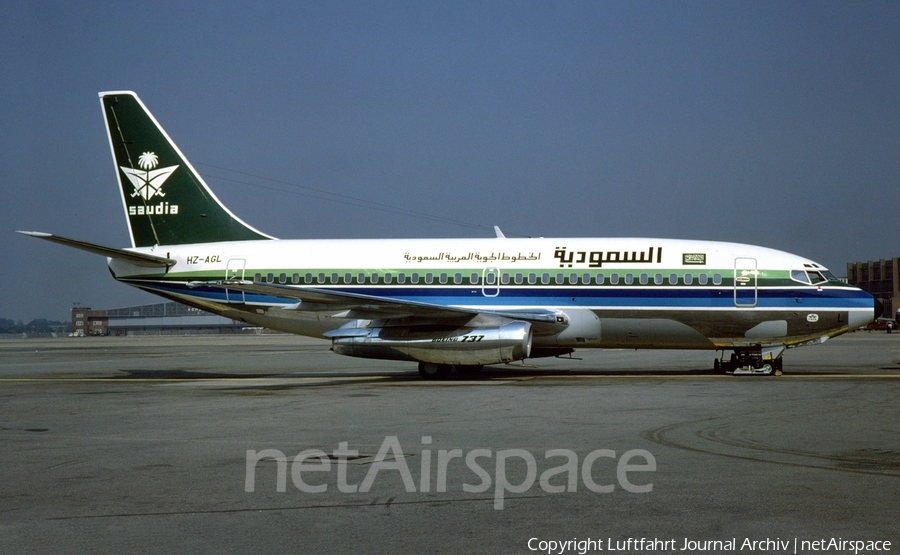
(811, 277)
(799, 275)
(816, 277)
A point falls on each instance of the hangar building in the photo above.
(169, 318)
(879, 278)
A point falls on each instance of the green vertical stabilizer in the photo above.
(166, 201)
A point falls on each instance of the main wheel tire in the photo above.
(428, 371)
(431, 371)
(470, 369)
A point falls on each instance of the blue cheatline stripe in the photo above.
(797, 299)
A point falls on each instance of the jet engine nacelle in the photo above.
(436, 344)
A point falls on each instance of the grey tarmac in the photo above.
(140, 445)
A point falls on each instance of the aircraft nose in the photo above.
(859, 318)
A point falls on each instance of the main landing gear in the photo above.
(752, 361)
(431, 371)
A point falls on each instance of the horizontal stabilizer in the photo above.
(136, 258)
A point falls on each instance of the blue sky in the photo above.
(771, 123)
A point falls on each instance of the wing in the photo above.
(371, 307)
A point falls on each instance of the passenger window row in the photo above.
(506, 278)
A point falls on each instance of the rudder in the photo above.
(166, 201)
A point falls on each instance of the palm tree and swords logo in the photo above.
(148, 183)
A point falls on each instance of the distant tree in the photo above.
(38, 325)
(43, 325)
(9, 326)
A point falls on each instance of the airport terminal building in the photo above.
(879, 278)
(169, 318)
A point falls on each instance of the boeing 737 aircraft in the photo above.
(459, 303)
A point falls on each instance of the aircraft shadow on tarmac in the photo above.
(488, 374)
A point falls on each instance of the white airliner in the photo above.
(459, 303)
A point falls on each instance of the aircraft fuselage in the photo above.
(640, 293)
